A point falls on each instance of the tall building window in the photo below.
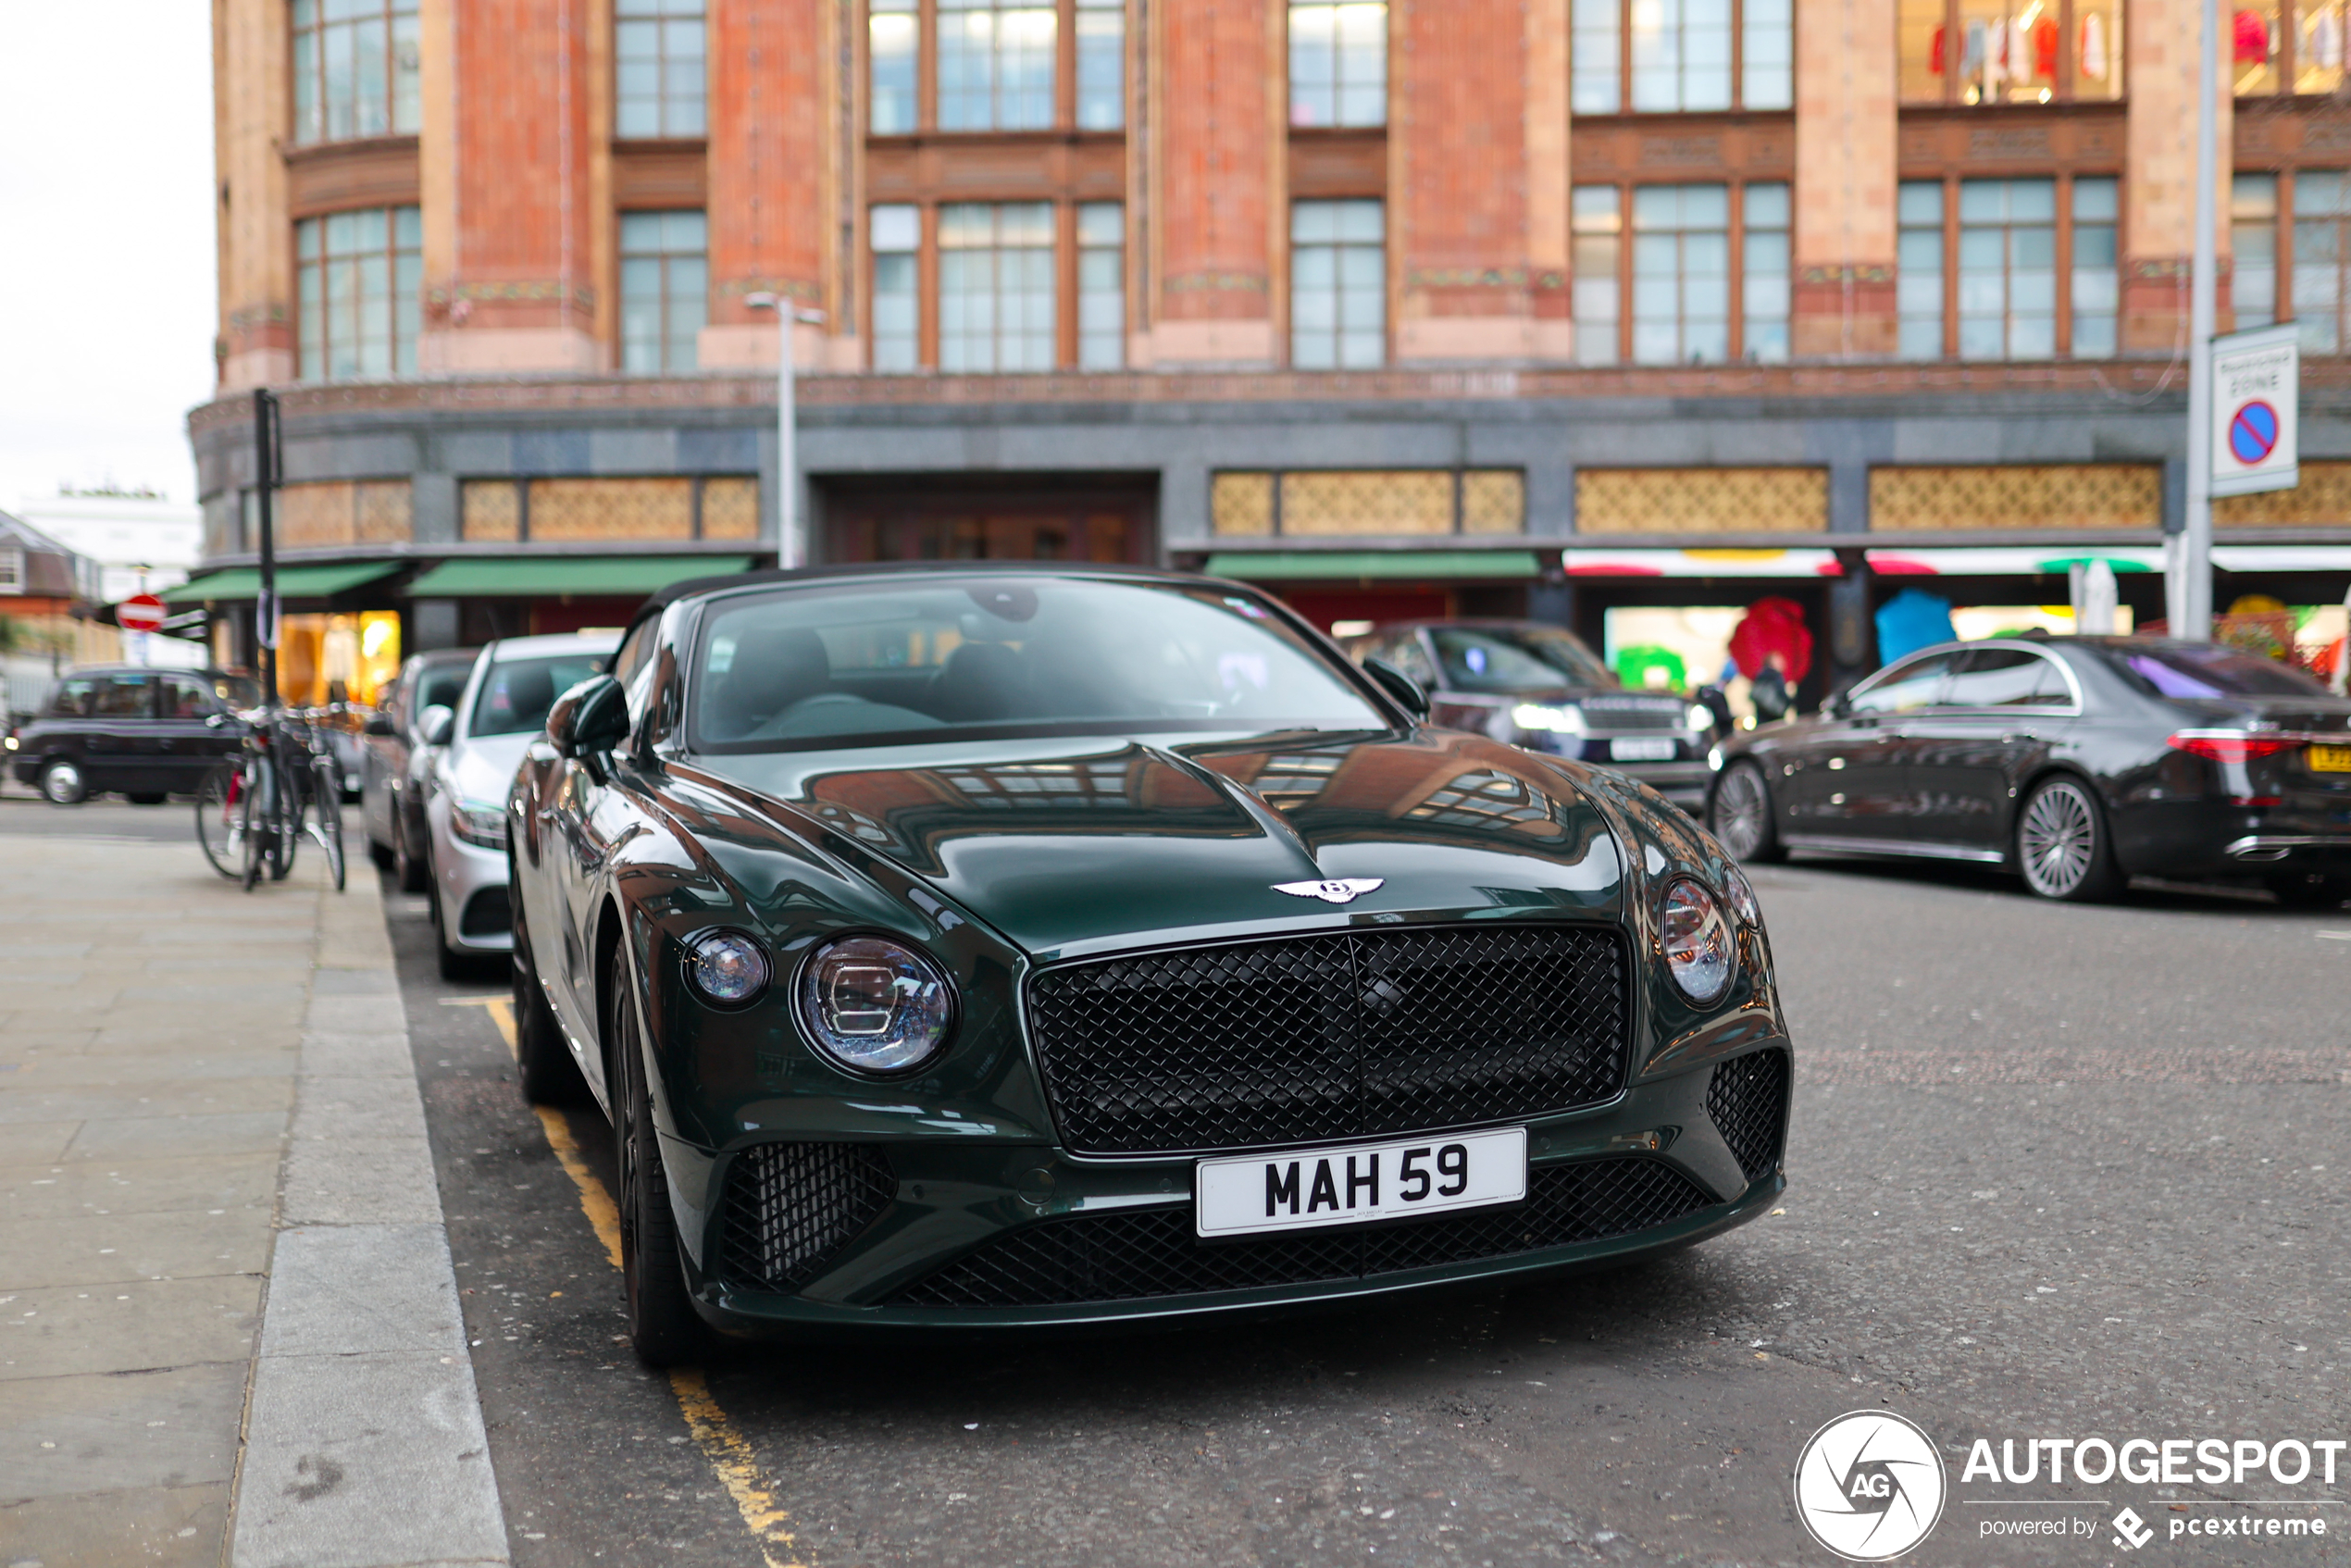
(1101, 285)
(1592, 290)
(1102, 65)
(1338, 285)
(996, 286)
(995, 64)
(2095, 293)
(1337, 63)
(1681, 274)
(1918, 286)
(661, 72)
(1682, 56)
(1764, 273)
(359, 277)
(2007, 52)
(892, 32)
(2253, 249)
(2322, 211)
(355, 70)
(895, 232)
(2008, 269)
(664, 289)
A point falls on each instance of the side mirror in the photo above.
(378, 723)
(1834, 705)
(436, 724)
(590, 718)
(1398, 685)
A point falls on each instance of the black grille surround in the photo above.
(1746, 1101)
(790, 1208)
(1132, 1254)
(1364, 1033)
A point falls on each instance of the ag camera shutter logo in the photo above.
(1870, 1485)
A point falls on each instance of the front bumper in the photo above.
(961, 1216)
(469, 883)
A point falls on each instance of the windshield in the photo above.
(890, 664)
(2194, 669)
(440, 686)
(517, 693)
(1515, 658)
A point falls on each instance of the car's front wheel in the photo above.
(1740, 814)
(663, 1328)
(2062, 846)
(62, 783)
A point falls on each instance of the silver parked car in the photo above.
(479, 748)
(393, 769)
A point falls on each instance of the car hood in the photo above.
(481, 768)
(1070, 846)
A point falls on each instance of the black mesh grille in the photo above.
(1118, 1257)
(1747, 1099)
(486, 915)
(791, 1206)
(1358, 1034)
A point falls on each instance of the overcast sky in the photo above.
(106, 303)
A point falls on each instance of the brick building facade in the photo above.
(1533, 306)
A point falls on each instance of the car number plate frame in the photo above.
(1642, 747)
(1357, 1184)
(2328, 759)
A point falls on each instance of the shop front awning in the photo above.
(2283, 557)
(1591, 563)
(2011, 560)
(1385, 566)
(540, 577)
(241, 584)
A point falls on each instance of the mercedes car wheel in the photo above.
(2061, 845)
(1740, 816)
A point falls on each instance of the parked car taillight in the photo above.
(2232, 746)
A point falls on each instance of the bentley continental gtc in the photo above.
(985, 948)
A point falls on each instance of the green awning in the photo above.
(241, 583)
(540, 575)
(1355, 566)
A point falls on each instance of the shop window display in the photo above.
(2284, 45)
(1989, 52)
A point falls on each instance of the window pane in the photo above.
(890, 34)
(1337, 63)
(1101, 66)
(1595, 85)
(1338, 285)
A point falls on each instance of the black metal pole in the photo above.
(265, 608)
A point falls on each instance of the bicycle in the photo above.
(284, 787)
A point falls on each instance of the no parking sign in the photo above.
(2256, 381)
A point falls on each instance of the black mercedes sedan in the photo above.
(1528, 684)
(2078, 760)
(1031, 946)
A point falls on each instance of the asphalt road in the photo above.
(2055, 1171)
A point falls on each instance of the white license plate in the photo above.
(1644, 748)
(1371, 1181)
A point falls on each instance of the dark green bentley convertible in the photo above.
(981, 948)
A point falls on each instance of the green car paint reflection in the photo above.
(1133, 992)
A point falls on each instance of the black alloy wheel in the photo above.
(1740, 816)
(547, 1074)
(663, 1328)
(2062, 846)
(2310, 890)
(62, 783)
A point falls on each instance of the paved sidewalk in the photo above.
(218, 1216)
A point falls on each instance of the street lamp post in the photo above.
(791, 546)
(2188, 588)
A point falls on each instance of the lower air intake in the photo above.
(1120, 1257)
(1747, 1099)
(791, 1207)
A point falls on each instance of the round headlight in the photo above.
(1696, 940)
(1741, 892)
(726, 967)
(875, 1005)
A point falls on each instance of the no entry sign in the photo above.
(140, 612)
(2256, 399)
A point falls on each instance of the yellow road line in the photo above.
(722, 1444)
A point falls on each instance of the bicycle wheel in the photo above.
(219, 821)
(254, 827)
(285, 816)
(326, 795)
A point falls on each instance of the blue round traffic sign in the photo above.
(2253, 432)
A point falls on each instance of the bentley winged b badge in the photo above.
(1343, 890)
